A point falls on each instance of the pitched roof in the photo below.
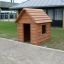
(38, 15)
(6, 4)
(40, 3)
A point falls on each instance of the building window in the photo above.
(55, 14)
(58, 14)
(2, 15)
(50, 13)
(43, 29)
(15, 15)
(11, 16)
(6, 15)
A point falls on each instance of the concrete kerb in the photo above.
(16, 42)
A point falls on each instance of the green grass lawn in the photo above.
(8, 30)
(57, 39)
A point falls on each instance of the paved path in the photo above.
(12, 52)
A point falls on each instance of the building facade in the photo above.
(56, 14)
(55, 9)
(6, 14)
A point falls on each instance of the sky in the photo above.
(16, 1)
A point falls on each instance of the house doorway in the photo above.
(26, 32)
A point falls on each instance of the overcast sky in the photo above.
(17, 1)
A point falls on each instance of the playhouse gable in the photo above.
(23, 16)
(37, 15)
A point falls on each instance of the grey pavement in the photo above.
(13, 52)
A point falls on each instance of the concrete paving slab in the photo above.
(13, 52)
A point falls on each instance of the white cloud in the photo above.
(19, 1)
(16, 1)
(5, 0)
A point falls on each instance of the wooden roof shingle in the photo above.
(38, 15)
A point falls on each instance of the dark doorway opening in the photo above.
(26, 32)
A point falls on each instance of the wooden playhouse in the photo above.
(33, 25)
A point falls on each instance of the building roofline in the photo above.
(37, 4)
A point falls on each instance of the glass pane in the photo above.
(50, 13)
(11, 16)
(2, 15)
(58, 14)
(6, 15)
